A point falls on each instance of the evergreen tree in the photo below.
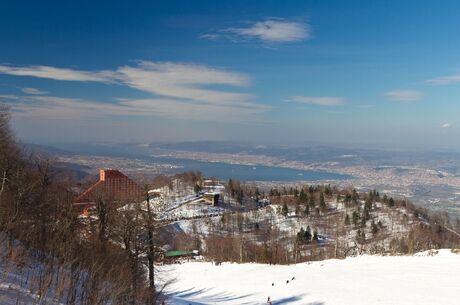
(355, 218)
(391, 202)
(354, 197)
(328, 190)
(315, 235)
(284, 209)
(311, 202)
(347, 199)
(231, 187)
(374, 228)
(239, 197)
(322, 203)
(366, 214)
(303, 196)
(257, 193)
(301, 235)
(360, 236)
(368, 203)
(385, 198)
(308, 235)
(307, 210)
(363, 222)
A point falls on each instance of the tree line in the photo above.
(97, 260)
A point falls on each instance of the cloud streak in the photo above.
(33, 91)
(51, 107)
(444, 80)
(184, 81)
(404, 95)
(61, 74)
(317, 100)
(273, 30)
(178, 90)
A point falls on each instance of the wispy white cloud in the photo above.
(273, 30)
(317, 100)
(446, 125)
(62, 74)
(444, 80)
(33, 91)
(365, 106)
(178, 90)
(404, 95)
(184, 81)
(51, 107)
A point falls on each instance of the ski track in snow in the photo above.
(364, 280)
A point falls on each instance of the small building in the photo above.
(113, 186)
(212, 186)
(263, 202)
(211, 198)
(176, 254)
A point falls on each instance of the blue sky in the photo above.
(281, 72)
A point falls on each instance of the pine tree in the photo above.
(366, 214)
(303, 196)
(301, 235)
(311, 202)
(354, 197)
(355, 218)
(374, 228)
(360, 236)
(322, 203)
(315, 235)
(308, 235)
(385, 198)
(307, 210)
(284, 209)
(391, 202)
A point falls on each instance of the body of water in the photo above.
(225, 171)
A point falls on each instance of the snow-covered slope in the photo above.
(420, 279)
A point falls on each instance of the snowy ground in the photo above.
(367, 280)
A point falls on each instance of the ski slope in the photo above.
(424, 278)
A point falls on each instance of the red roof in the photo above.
(112, 185)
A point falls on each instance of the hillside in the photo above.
(425, 278)
(310, 223)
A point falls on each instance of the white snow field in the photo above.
(424, 278)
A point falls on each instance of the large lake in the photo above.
(226, 171)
